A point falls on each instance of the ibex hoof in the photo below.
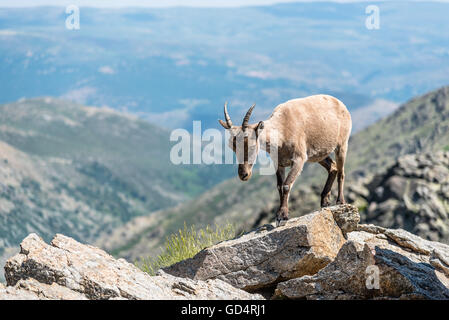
(325, 204)
(281, 216)
(281, 222)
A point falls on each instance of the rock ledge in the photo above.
(67, 269)
(323, 255)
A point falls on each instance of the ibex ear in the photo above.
(260, 127)
(224, 124)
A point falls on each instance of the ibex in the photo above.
(306, 129)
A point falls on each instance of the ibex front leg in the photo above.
(282, 214)
(280, 176)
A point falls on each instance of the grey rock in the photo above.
(346, 216)
(262, 258)
(396, 186)
(31, 289)
(414, 196)
(406, 266)
(67, 269)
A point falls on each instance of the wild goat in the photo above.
(306, 129)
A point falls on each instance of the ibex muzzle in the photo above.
(245, 171)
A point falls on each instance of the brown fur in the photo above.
(308, 129)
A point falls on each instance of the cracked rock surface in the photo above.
(378, 263)
(67, 269)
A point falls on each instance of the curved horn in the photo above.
(226, 114)
(246, 119)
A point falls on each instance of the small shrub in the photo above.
(185, 244)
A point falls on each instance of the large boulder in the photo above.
(378, 263)
(268, 255)
(67, 269)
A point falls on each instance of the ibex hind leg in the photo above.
(331, 168)
(340, 155)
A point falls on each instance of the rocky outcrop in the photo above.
(372, 263)
(67, 269)
(263, 257)
(323, 255)
(413, 194)
(378, 263)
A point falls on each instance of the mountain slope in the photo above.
(421, 124)
(83, 171)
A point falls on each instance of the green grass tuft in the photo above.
(185, 244)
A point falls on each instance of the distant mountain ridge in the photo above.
(421, 124)
(175, 65)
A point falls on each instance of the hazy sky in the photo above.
(150, 3)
